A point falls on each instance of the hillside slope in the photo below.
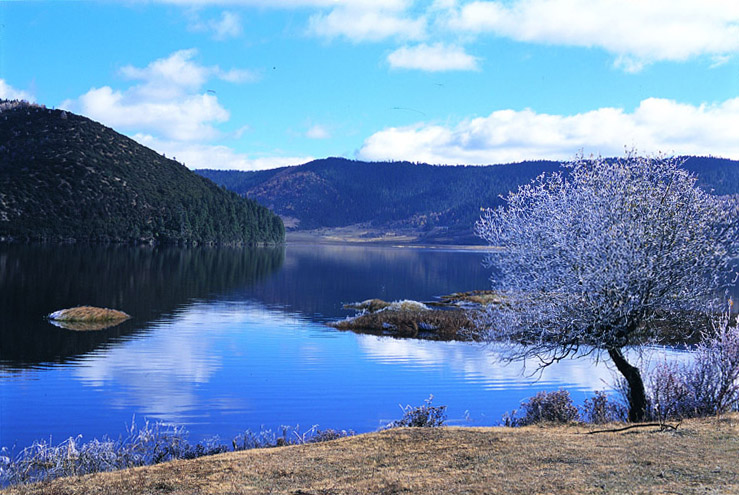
(64, 177)
(436, 202)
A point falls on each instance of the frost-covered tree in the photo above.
(597, 258)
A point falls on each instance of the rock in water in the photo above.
(87, 318)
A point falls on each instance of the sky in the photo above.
(257, 84)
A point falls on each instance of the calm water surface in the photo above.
(222, 340)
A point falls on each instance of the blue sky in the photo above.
(253, 84)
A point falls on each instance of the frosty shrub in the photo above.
(288, 435)
(424, 416)
(608, 254)
(148, 444)
(544, 407)
(707, 385)
(714, 377)
(599, 409)
(328, 434)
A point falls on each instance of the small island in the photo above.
(84, 318)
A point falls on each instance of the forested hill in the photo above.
(431, 200)
(440, 203)
(64, 177)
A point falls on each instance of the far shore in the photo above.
(696, 458)
(370, 237)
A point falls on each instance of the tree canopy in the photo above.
(604, 257)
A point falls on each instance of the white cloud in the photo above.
(317, 131)
(198, 155)
(433, 58)
(7, 92)
(178, 74)
(167, 102)
(637, 32)
(288, 4)
(368, 21)
(510, 136)
(169, 112)
(228, 26)
(188, 118)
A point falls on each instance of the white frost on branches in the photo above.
(595, 257)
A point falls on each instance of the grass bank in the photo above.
(699, 457)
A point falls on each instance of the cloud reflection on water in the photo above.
(161, 373)
(484, 363)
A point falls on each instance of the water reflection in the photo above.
(147, 283)
(224, 340)
(486, 364)
(218, 367)
(161, 374)
(316, 281)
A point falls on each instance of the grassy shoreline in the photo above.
(354, 236)
(699, 457)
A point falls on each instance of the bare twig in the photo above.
(662, 427)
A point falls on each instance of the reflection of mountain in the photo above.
(147, 283)
(316, 280)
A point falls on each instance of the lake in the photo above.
(222, 340)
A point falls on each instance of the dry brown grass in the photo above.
(89, 314)
(411, 319)
(700, 457)
(481, 297)
(405, 319)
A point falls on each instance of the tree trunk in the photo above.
(637, 394)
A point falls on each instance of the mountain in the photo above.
(64, 177)
(436, 203)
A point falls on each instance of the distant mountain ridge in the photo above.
(438, 203)
(64, 177)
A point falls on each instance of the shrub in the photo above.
(550, 407)
(706, 386)
(328, 435)
(599, 410)
(669, 396)
(151, 443)
(424, 416)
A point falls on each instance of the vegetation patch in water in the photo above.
(471, 298)
(84, 318)
(406, 319)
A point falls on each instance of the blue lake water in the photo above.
(222, 340)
